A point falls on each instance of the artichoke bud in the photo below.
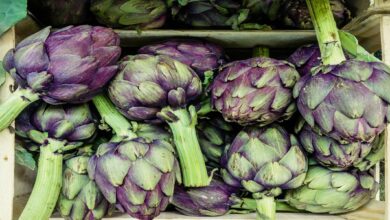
(62, 129)
(39, 81)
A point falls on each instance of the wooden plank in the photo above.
(7, 152)
(385, 35)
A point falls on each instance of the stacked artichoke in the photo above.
(125, 134)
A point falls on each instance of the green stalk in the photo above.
(266, 208)
(326, 31)
(191, 159)
(14, 105)
(47, 186)
(110, 115)
(260, 52)
(251, 204)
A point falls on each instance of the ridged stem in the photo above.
(191, 159)
(326, 31)
(111, 116)
(14, 105)
(266, 208)
(260, 51)
(47, 186)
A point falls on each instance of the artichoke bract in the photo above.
(57, 129)
(201, 56)
(137, 175)
(334, 192)
(130, 14)
(296, 14)
(158, 88)
(264, 161)
(214, 136)
(80, 198)
(208, 13)
(61, 13)
(332, 154)
(346, 99)
(305, 58)
(69, 65)
(255, 91)
(212, 200)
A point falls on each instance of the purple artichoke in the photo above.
(158, 88)
(306, 58)
(80, 198)
(130, 14)
(330, 153)
(212, 200)
(57, 129)
(61, 13)
(264, 161)
(296, 14)
(201, 56)
(69, 65)
(137, 175)
(255, 91)
(334, 192)
(352, 104)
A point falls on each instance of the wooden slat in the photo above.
(7, 152)
(385, 35)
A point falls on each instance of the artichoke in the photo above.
(158, 88)
(327, 191)
(305, 58)
(264, 9)
(255, 91)
(61, 13)
(345, 99)
(376, 154)
(264, 161)
(57, 129)
(296, 14)
(130, 14)
(336, 156)
(214, 135)
(137, 175)
(212, 200)
(69, 65)
(208, 13)
(80, 197)
(201, 56)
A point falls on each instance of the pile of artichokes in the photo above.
(152, 14)
(180, 125)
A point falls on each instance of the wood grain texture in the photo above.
(7, 146)
(385, 39)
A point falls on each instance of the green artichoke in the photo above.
(264, 161)
(327, 191)
(208, 13)
(80, 198)
(336, 156)
(56, 129)
(158, 89)
(214, 136)
(345, 99)
(130, 14)
(255, 91)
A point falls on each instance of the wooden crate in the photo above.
(371, 26)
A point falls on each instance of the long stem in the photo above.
(14, 105)
(192, 163)
(266, 208)
(47, 187)
(113, 117)
(326, 31)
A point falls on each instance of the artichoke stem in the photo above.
(47, 187)
(266, 208)
(14, 105)
(110, 115)
(251, 205)
(260, 52)
(193, 167)
(326, 31)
